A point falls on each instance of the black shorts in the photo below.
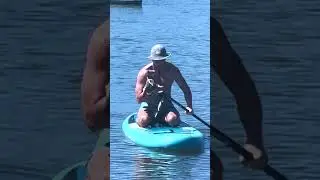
(158, 112)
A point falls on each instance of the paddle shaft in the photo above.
(234, 145)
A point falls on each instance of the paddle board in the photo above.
(181, 138)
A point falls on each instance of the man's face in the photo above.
(157, 64)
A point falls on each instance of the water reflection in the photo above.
(161, 166)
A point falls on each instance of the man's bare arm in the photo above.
(95, 103)
(184, 87)
(139, 90)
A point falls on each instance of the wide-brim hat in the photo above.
(158, 52)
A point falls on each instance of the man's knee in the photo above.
(143, 120)
(172, 119)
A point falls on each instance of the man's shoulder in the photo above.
(101, 33)
(104, 27)
(170, 64)
(144, 69)
(172, 67)
(99, 45)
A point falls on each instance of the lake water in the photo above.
(184, 28)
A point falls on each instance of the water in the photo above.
(278, 42)
(42, 48)
(184, 28)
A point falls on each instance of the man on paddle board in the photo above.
(154, 77)
(95, 98)
(227, 64)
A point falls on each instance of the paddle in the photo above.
(235, 146)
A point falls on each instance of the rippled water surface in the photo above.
(184, 28)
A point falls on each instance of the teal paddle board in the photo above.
(78, 171)
(181, 138)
